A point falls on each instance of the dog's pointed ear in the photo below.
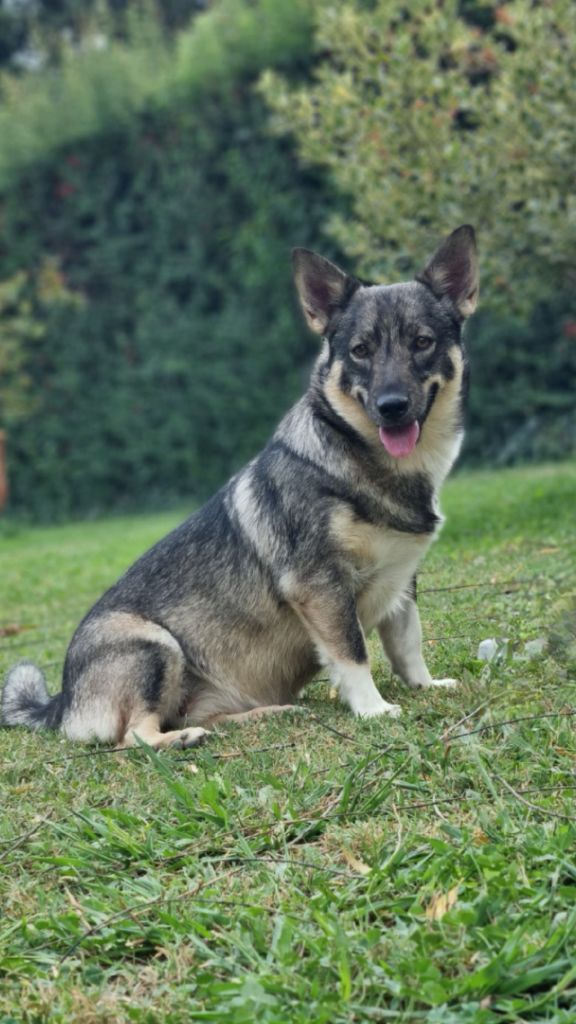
(453, 270)
(322, 287)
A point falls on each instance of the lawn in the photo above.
(311, 868)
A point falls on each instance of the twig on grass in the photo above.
(21, 839)
(256, 750)
(460, 798)
(466, 718)
(484, 583)
(398, 845)
(442, 738)
(432, 802)
(132, 911)
(513, 721)
(336, 732)
(534, 807)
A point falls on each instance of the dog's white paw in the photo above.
(427, 683)
(189, 738)
(376, 708)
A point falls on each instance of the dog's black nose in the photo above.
(392, 405)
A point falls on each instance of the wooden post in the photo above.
(3, 471)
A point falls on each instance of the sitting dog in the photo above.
(303, 552)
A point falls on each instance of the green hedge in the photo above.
(188, 345)
(147, 174)
(97, 91)
(522, 399)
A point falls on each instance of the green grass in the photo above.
(311, 867)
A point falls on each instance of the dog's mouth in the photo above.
(400, 441)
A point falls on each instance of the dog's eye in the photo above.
(423, 342)
(360, 351)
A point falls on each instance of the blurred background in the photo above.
(157, 164)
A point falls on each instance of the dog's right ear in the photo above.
(322, 287)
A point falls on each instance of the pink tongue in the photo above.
(400, 441)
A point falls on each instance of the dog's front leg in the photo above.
(331, 620)
(401, 636)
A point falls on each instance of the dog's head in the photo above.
(392, 348)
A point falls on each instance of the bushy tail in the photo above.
(26, 701)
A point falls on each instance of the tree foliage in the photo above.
(36, 32)
(428, 115)
(522, 405)
(99, 89)
(24, 299)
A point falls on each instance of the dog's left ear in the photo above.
(322, 287)
(453, 270)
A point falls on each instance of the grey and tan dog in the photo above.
(307, 549)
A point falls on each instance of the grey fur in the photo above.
(309, 547)
(25, 698)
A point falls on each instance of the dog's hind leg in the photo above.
(124, 677)
(254, 713)
(148, 730)
(401, 636)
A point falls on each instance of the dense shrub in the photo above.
(522, 402)
(99, 89)
(174, 228)
(187, 346)
(429, 116)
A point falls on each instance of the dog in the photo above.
(305, 550)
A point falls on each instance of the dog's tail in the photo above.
(26, 701)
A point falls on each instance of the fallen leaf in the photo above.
(563, 750)
(441, 903)
(12, 629)
(355, 863)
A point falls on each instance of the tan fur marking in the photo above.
(347, 407)
(440, 440)
(436, 378)
(359, 393)
(362, 540)
(127, 626)
(369, 544)
(469, 304)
